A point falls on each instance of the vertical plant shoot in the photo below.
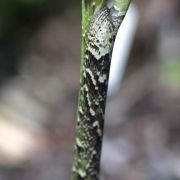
(100, 22)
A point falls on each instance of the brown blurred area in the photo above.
(39, 80)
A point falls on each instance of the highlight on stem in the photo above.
(100, 23)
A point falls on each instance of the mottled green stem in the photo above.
(100, 22)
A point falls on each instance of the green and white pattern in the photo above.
(99, 39)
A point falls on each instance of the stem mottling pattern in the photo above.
(99, 40)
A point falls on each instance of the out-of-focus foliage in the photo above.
(10, 8)
(31, 2)
(170, 71)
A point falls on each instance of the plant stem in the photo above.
(100, 22)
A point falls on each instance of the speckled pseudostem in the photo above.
(99, 41)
